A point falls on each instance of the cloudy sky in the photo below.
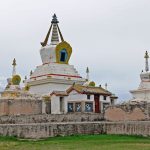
(108, 36)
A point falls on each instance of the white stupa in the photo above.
(55, 73)
(142, 94)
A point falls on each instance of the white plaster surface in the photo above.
(143, 91)
(48, 54)
(75, 97)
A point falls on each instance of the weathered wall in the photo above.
(3, 108)
(44, 118)
(128, 112)
(55, 105)
(44, 130)
(118, 114)
(128, 127)
(49, 86)
(20, 106)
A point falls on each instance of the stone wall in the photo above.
(118, 114)
(44, 118)
(128, 112)
(128, 128)
(43, 130)
(20, 106)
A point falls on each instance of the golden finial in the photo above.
(146, 61)
(25, 77)
(106, 86)
(87, 70)
(87, 74)
(14, 62)
(54, 21)
(31, 72)
(146, 55)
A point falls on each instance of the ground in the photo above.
(78, 142)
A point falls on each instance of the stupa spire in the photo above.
(146, 61)
(87, 74)
(54, 28)
(55, 37)
(14, 67)
(54, 19)
(106, 85)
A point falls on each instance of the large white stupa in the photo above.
(55, 73)
(142, 94)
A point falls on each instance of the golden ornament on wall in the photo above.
(16, 80)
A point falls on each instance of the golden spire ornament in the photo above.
(14, 67)
(87, 74)
(146, 61)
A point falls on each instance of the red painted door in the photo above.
(96, 99)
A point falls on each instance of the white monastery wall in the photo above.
(48, 88)
(74, 96)
(48, 54)
(55, 105)
(142, 95)
(107, 98)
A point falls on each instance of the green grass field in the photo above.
(81, 142)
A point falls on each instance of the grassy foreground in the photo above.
(81, 142)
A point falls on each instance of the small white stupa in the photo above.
(142, 94)
(55, 73)
(13, 89)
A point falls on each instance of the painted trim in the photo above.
(57, 75)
